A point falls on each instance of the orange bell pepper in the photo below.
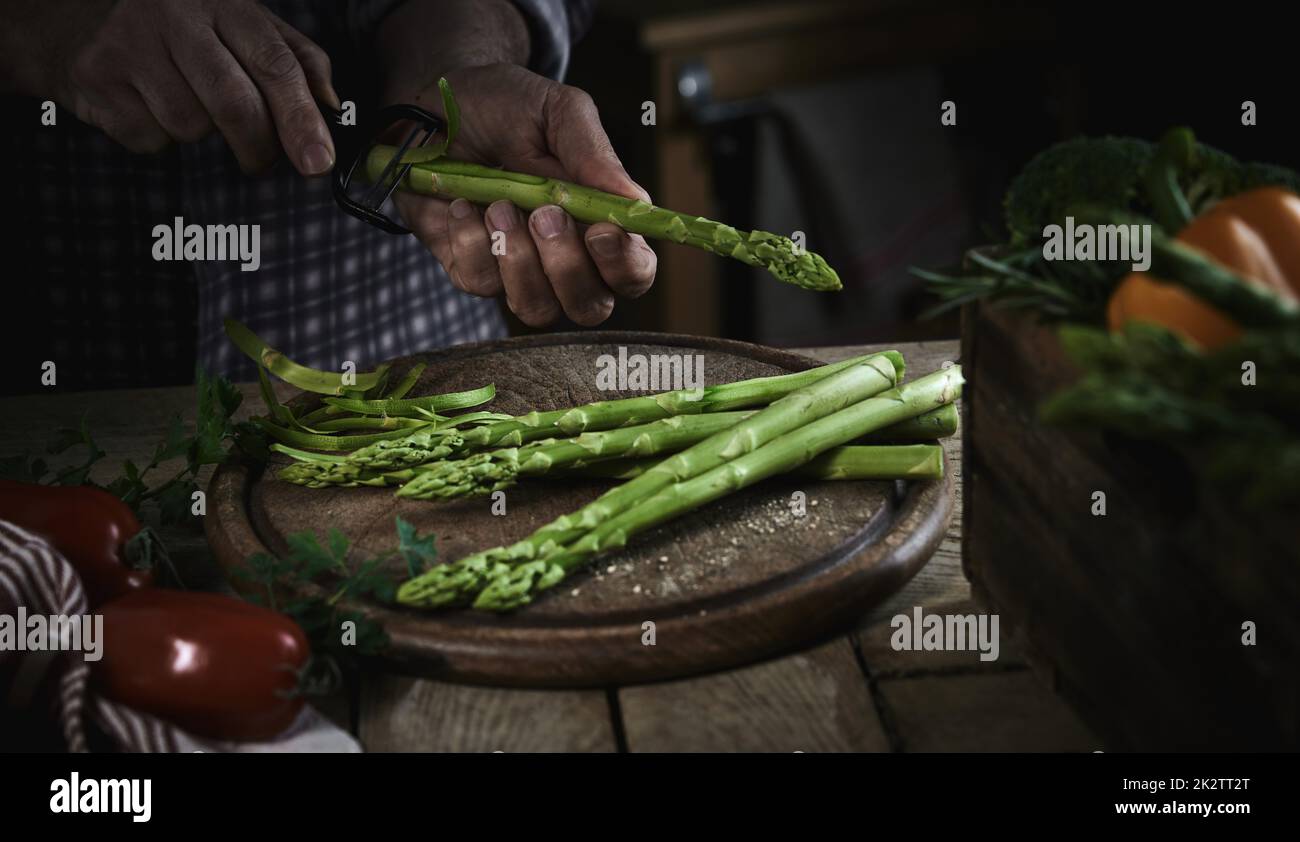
(1256, 234)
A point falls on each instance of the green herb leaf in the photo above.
(217, 401)
(305, 549)
(338, 546)
(66, 438)
(310, 562)
(176, 444)
(418, 552)
(251, 441)
(175, 500)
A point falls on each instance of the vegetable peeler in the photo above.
(352, 155)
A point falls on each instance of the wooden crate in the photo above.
(1137, 616)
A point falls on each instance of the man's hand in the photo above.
(149, 72)
(527, 123)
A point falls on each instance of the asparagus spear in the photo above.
(850, 462)
(483, 473)
(319, 470)
(482, 185)
(855, 462)
(455, 583)
(430, 445)
(936, 424)
(510, 587)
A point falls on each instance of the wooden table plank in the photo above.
(411, 714)
(997, 710)
(814, 701)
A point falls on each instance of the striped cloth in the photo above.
(35, 576)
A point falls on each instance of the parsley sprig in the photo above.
(327, 564)
(214, 438)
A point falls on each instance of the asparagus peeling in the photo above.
(354, 404)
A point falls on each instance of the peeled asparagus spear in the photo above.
(613, 454)
(609, 454)
(429, 445)
(850, 462)
(936, 424)
(319, 470)
(482, 185)
(510, 587)
(483, 473)
(451, 584)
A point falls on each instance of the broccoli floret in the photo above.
(1214, 175)
(1103, 171)
(1112, 172)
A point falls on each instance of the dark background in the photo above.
(1023, 75)
(839, 135)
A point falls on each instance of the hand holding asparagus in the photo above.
(433, 174)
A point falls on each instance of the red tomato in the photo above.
(88, 526)
(213, 665)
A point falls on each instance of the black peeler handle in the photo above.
(352, 145)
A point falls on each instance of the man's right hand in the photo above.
(150, 72)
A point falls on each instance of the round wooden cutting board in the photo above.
(739, 580)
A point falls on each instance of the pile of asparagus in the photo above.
(676, 451)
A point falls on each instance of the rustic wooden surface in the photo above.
(1141, 623)
(851, 693)
(741, 579)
